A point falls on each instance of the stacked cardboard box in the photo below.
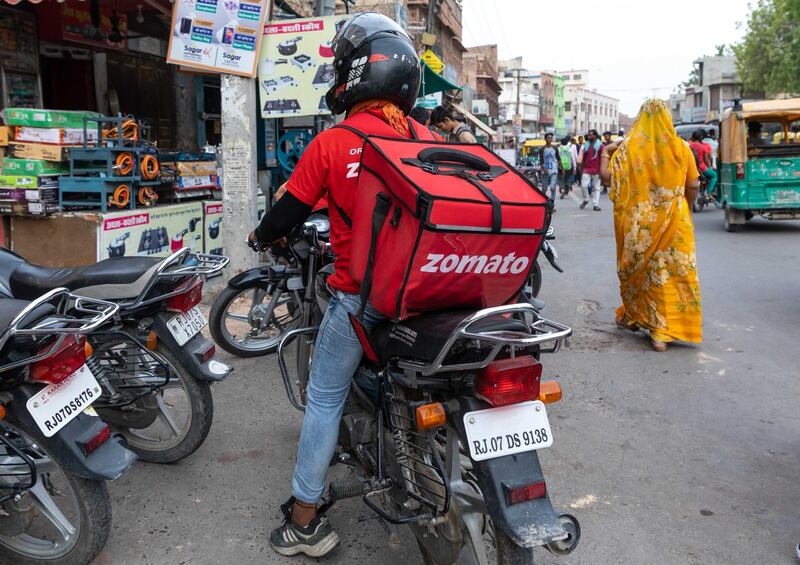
(46, 134)
(28, 195)
(191, 171)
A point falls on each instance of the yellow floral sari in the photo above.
(656, 260)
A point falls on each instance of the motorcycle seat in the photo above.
(422, 338)
(111, 279)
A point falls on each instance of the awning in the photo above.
(733, 132)
(431, 82)
(475, 121)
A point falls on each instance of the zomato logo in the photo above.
(438, 263)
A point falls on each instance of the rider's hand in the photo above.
(252, 241)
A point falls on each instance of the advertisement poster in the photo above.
(295, 67)
(158, 231)
(217, 35)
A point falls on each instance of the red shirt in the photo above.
(700, 149)
(329, 168)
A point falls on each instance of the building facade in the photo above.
(545, 83)
(559, 103)
(446, 26)
(480, 71)
(518, 102)
(717, 89)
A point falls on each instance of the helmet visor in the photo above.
(361, 28)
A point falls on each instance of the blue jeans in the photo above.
(550, 181)
(337, 354)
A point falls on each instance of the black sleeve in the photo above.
(287, 213)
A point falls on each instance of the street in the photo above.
(688, 456)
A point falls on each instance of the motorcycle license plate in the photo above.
(186, 325)
(55, 406)
(506, 430)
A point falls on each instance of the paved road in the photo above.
(690, 456)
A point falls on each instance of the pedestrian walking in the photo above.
(550, 165)
(590, 179)
(653, 181)
(458, 132)
(566, 155)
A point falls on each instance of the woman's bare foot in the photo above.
(659, 346)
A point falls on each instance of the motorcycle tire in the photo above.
(94, 508)
(223, 338)
(698, 204)
(201, 415)
(509, 553)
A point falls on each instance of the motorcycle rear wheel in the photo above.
(198, 405)
(88, 512)
(286, 318)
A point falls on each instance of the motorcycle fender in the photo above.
(107, 463)
(190, 353)
(258, 277)
(528, 524)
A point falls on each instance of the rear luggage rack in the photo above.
(95, 313)
(126, 368)
(542, 331)
(182, 263)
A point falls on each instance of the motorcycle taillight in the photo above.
(509, 381)
(189, 297)
(68, 358)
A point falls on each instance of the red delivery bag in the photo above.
(439, 226)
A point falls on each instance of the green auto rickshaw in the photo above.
(760, 161)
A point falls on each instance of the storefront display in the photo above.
(83, 238)
(295, 67)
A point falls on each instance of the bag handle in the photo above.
(435, 155)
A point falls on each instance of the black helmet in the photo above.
(374, 58)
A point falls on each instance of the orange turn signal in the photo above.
(2, 412)
(431, 416)
(152, 340)
(549, 391)
(88, 350)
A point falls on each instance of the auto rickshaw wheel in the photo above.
(733, 219)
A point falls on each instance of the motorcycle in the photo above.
(534, 284)
(55, 453)
(704, 198)
(256, 308)
(442, 426)
(153, 364)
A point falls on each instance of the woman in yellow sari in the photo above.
(653, 178)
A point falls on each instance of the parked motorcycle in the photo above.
(152, 362)
(442, 426)
(55, 453)
(252, 313)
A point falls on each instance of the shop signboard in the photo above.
(430, 101)
(295, 67)
(158, 231)
(434, 62)
(217, 35)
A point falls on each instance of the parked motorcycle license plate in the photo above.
(55, 406)
(186, 325)
(506, 430)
